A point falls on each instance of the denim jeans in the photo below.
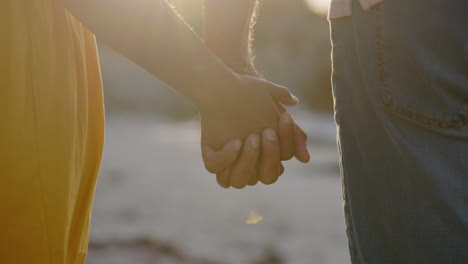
(400, 82)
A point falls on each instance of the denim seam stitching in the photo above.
(349, 225)
(386, 95)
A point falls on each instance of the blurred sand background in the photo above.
(155, 203)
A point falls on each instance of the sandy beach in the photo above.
(156, 204)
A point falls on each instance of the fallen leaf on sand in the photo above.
(253, 218)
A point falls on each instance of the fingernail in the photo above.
(286, 118)
(253, 141)
(237, 144)
(270, 134)
(295, 99)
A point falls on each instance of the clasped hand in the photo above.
(247, 135)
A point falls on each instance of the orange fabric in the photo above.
(51, 134)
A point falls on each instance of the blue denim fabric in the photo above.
(400, 82)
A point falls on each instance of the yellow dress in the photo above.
(51, 133)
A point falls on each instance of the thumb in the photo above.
(218, 161)
(282, 94)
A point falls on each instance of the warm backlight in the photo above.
(319, 6)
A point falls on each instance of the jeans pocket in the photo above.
(422, 70)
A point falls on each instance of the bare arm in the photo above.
(229, 31)
(152, 35)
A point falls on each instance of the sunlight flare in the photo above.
(319, 6)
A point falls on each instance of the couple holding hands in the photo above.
(52, 108)
(400, 89)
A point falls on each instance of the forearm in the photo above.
(228, 30)
(152, 35)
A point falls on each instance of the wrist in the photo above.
(244, 69)
(227, 33)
